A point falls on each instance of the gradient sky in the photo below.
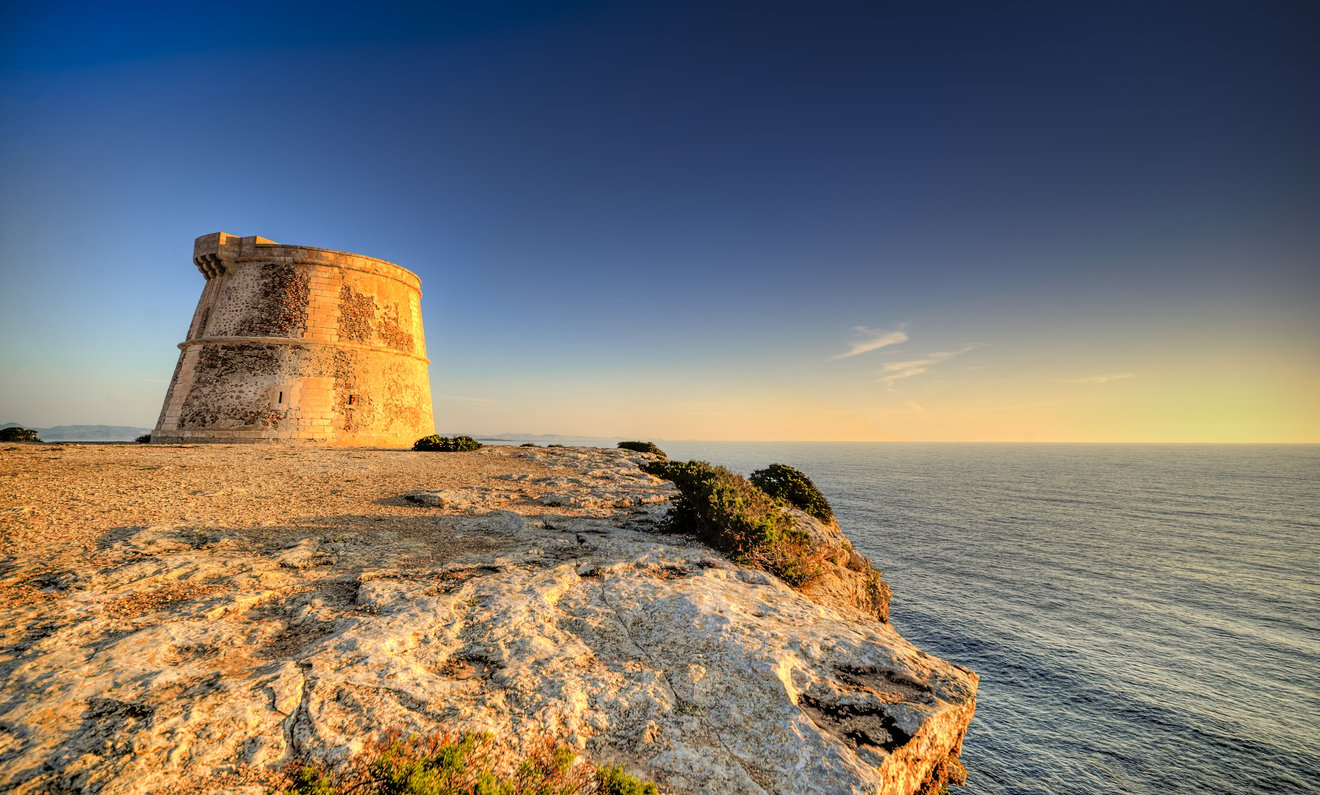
(1047, 221)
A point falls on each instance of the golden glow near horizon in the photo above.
(1211, 421)
(978, 394)
(1047, 390)
(1222, 413)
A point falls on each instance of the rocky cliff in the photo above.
(537, 600)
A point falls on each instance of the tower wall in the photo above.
(291, 343)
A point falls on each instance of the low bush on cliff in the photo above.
(464, 764)
(614, 780)
(447, 444)
(791, 485)
(642, 447)
(725, 510)
(17, 434)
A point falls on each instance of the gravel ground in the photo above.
(61, 503)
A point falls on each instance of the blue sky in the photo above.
(1068, 221)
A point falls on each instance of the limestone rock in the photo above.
(182, 657)
(847, 580)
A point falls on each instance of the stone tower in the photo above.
(291, 343)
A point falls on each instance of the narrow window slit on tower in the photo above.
(352, 399)
(281, 398)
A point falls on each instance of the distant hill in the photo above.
(85, 433)
(549, 436)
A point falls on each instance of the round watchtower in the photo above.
(291, 343)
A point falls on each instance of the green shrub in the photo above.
(642, 447)
(876, 598)
(614, 780)
(447, 444)
(789, 484)
(687, 475)
(309, 780)
(795, 559)
(527, 444)
(143, 439)
(727, 512)
(464, 764)
(17, 434)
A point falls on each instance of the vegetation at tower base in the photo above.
(17, 434)
(143, 439)
(463, 764)
(642, 447)
(447, 444)
(786, 483)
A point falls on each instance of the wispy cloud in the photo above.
(1099, 379)
(916, 407)
(897, 371)
(870, 339)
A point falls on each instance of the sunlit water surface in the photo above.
(1145, 619)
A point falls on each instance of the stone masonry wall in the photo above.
(290, 343)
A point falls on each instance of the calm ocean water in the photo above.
(1145, 619)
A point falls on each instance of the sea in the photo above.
(1144, 618)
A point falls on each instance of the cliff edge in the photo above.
(535, 600)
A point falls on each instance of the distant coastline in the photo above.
(84, 433)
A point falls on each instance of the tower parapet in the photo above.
(294, 343)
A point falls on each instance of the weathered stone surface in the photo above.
(299, 344)
(181, 656)
(847, 581)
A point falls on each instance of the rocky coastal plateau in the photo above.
(194, 618)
